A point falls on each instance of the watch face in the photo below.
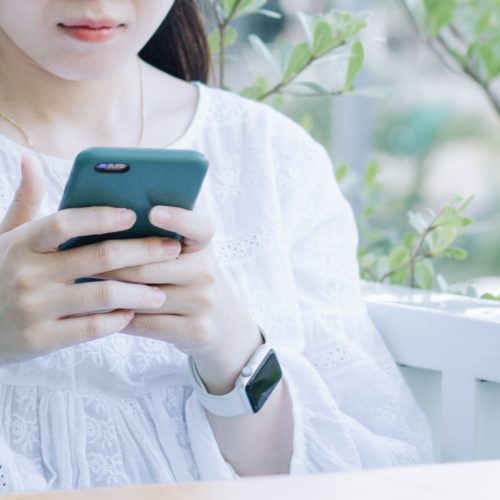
(264, 380)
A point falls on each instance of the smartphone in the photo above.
(134, 178)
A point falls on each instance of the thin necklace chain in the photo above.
(30, 142)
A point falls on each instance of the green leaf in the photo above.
(461, 204)
(450, 216)
(257, 90)
(424, 275)
(246, 7)
(323, 40)
(442, 283)
(409, 240)
(270, 13)
(278, 100)
(261, 48)
(368, 212)
(370, 180)
(376, 235)
(316, 87)
(439, 13)
(307, 121)
(285, 51)
(299, 59)
(372, 266)
(417, 221)
(228, 6)
(456, 253)
(355, 64)
(486, 57)
(490, 296)
(345, 24)
(214, 39)
(341, 172)
(399, 257)
(381, 266)
(400, 278)
(305, 21)
(441, 238)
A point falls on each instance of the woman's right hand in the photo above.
(37, 289)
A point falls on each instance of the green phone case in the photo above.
(153, 177)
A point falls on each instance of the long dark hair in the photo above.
(179, 46)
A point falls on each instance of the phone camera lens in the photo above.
(112, 167)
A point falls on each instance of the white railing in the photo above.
(448, 348)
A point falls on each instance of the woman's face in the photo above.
(32, 30)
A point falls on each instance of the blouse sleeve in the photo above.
(352, 407)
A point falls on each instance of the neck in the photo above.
(40, 100)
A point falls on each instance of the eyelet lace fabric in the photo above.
(120, 410)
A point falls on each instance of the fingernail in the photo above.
(159, 296)
(126, 217)
(160, 215)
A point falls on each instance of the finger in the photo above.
(184, 301)
(197, 231)
(72, 331)
(53, 230)
(183, 331)
(105, 295)
(90, 260)
(28, 196)
(184, 270)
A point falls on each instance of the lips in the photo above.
(91, 23)
(90, 30)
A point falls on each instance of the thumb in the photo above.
(28, 197)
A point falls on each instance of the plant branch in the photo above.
(468, 69)
(414, 256)
(464, 66)
(222, 24)
(285, 83)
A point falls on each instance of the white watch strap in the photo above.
(235, 402)
(227, 405)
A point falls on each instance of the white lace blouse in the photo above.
(120, 410)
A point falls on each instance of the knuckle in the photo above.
(106, 294)
(200, 330)
(26, 305)
(24, 280)
(102, 217)
(32, 341)
(206, 301)
(93, 327)
(60, 225)
(145, 323)
(207, 275)
(11, 248)
(105, 253)
(154, 249)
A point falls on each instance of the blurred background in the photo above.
(431, 129)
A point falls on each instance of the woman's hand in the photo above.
(201, 315)
(37, 291)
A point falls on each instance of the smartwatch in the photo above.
(257, 380)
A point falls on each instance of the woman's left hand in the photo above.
(201, 314)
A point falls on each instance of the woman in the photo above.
(103, 399)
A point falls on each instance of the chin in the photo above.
(88, 68)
